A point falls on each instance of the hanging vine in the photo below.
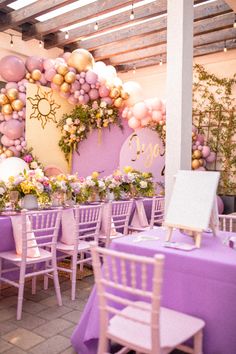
(214, 114)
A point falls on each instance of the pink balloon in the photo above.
(206, 151)
(15, 152)
(93, 94)
(156, 116)
(22, 88)
(211, 157)
(12, 68)
(104, 91)
(6, 141)
(66, 56)
(2, 125)
(220, 204)
(65, 94)
(156, 104)
(133, 123)
(72, 69)
(49, 74)
(72, 100)
(8, 117)
(200, 138)
(75, 86)
(55, 87)
(13, 129)
(33, 63)
(140, 110)
(108, 100)
(85, 87)
(81, 99)
(48, 64)
(43, 80)
(22, 97)
(194, 129)
(15, 115)
(135, 92)
(200, 169)
(10, 85)
(86, 98)
(91, 77)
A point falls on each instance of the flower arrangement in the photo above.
(141, 183)
(3, 195)
(84, 118)
(31, 160)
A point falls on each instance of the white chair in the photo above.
(227, 222)
(39, 231)
(157, 215)
(87, 222)
(116, 218)
(130, 312)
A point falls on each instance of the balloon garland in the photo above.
(80, 80)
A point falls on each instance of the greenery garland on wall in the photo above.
(214, 114)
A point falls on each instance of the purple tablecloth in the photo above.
(200, 282)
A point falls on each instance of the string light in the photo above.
(234, 25)
(225, 48)
(11, 35)
(11, 41)
(67, 35)
(134, 69)
(96, 26)
(132, 12)
(160, 62)
(40, 44)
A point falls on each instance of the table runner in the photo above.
(201, 282)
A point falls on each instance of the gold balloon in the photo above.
(17, 105)
(65, 87)
(62, 69)
(31, 81)
(58, 79)
(197, 154)
(195, 164)
(118, 102)
(7, 109)
(124, 95)
(115, 93)
(9, 153)
(36, 74)
(70, 77)
(81, 60)
(201, 161)
(3, 99)
(12, 94)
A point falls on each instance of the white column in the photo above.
(179, 90)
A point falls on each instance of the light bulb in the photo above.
(67, 35)
(11, 43)
(134, 70)
(234, 25)
(161, 62)
(40, 44)
(132, 15)
(96, 26)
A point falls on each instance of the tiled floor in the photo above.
(45, 328)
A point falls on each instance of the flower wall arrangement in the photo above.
(84, 118)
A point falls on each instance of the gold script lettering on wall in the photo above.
(149, 150)
(44, 107)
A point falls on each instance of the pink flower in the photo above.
(28, 158)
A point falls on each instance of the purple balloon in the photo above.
(91, 77)
(22, 88)
(81, 99)
(72, 69)
(2, 125)
(211, 157)
(6, 141)
(86, 87)
(206, 151)
(48, 64)
(93, 94)
(77, 94)
(200, 139)
(13, 129)
(200, 169)
(108, 100)
(15, 152)
(8, 117)
(75, 86)
(49, 74)
(43, 80)
(86, 98)
(10, 85)
(33, 63)
(22, 97)
(12, 68)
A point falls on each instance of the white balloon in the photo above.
(12, 166)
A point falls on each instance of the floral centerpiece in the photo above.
(141, 183)
(3, 195)
(84, 118)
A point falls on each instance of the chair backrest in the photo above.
(227, 223)
(87, 221)
(158, 209)
(40, 230)
(122, 280)
(120, 212)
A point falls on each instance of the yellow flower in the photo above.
(98, 115)
(145, 174)
(116, 173)
(95, 174)
(105, 124)
(128, 169)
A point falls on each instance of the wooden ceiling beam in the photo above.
(155, 60)
(153, 39)
(156, 25)
(75, 16)
(29, 12)
(143, 12)
(232, 4)
(4, 3)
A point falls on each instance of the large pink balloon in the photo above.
(75, 86)
(108, 100)
(104, 91)
(133, 123)
(93, 94)
(66, 56)
(200, 138)
(48, 64)
(49, 74)
(12, 68)
(6, 141)
(156, 116)
(13, 129)
(33, 63)
(91, 77)
(140, 110)
(206, 151)
(85, 87)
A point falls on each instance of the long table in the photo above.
(201, 282)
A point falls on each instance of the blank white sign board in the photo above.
(192, 200)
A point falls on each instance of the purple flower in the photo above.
(28, 158)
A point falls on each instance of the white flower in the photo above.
(103, 104)
(33, 165)
(101, 184)
(131, 176)
(110, 112)
(143, 184)
(90, 182)
(69, 121)
(2, 190)
(66, 128)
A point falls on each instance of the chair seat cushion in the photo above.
(16, 258)
(175, 327)
(82, 246)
